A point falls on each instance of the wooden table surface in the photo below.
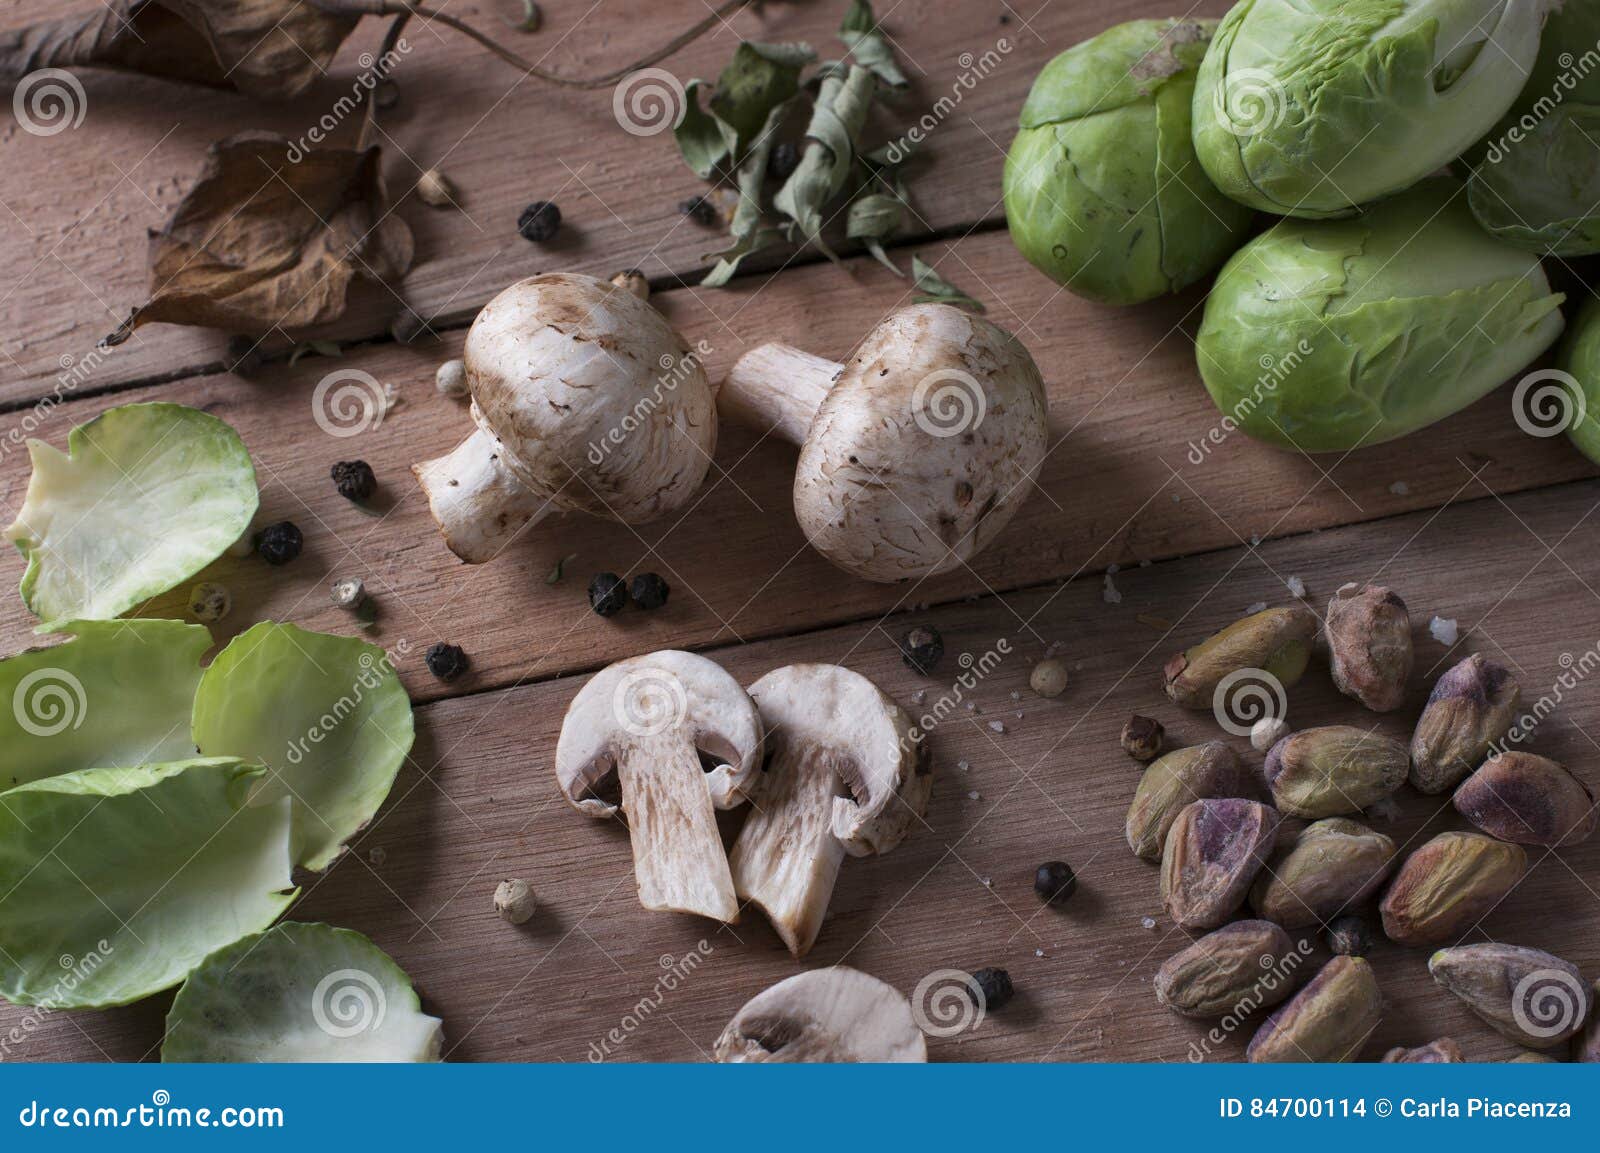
(1134, 547)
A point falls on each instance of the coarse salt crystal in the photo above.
(1444, 631)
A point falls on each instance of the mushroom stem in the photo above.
(778, 389)
(477, 501)
(678, 860)
(787, 858)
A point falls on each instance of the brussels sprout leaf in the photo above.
(326, 714)
(116, 882)
(145, 496)
(118, 694)
(300, 992)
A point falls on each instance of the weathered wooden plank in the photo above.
(75, 261)
(479, 803)
(1121, 486)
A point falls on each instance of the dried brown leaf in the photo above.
(269, 49)
(263, 243)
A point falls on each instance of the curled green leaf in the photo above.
(935, 289)
(836, 124)
(749, 229)
(145, 496)
(118, 694)
(868, 47)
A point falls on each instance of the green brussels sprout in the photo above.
(1538, 179)
(1327, 335)
(1580, 358)
(1102, 190)
(1314, 107)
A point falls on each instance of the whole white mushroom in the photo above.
(916, 452)
(585, 400)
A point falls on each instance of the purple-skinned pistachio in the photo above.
(1471, 707)
(1528, 799)
(1369, 645)
(1214, 850)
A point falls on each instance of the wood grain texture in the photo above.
(479, 803)
(73, 245)
(1122, 485)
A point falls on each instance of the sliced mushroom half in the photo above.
(668, 738)
(846, 773)
(836, 1014)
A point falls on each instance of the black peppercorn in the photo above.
(1349, 937)
(784, 160)
(447, 662)
(921, 647)
(279, 543)
(700, 210)
(1054, 882)
(539, 222)
(607, 594)
(354, 479)
(649, 591)
(993, 986)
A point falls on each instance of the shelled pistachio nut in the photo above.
(1276, 641)
(1528, 799)
(1329, 1020)
(1536, 999)
(1176, 779)
(1449, 885)
(1369, 645)
(1213, 851)
(1247, 962)
(1334, 769)
(1471, 707)
(1332, 866)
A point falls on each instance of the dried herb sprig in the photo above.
(734, 135)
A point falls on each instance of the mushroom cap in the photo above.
(868, 740)
(597, 400)
(924, 448)
(645, 697)
(837, 1014)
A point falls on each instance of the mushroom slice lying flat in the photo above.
(668, 737)
(586, 400)
(845, 774)
(836, 1014)
(916, 452)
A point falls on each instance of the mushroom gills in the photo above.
(835, 1014)
(479, 504)
(678, 861)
